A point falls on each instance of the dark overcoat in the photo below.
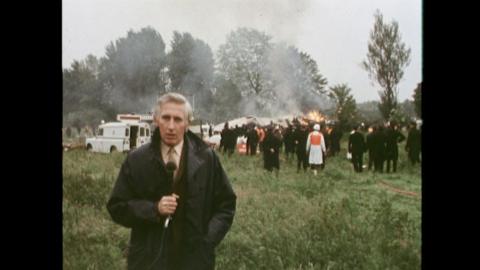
(209, 203)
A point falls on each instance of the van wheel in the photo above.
(113, 149)
(89, 148)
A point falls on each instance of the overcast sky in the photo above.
(334, 32)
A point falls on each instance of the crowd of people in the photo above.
(312, 143)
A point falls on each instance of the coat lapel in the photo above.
(193, 160)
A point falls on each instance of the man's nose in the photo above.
(171, 124)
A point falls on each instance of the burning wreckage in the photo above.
(134, 130)
(309, 119)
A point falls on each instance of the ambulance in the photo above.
(130, 132)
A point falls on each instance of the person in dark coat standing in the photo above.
(335, 137)
(371, 146)
(288, 141)
(228, 139)
(393, 137)
(224, 138)
(197, 199)
(210, 131)
(380, 148)
(413, 145)
(252, 141)
(300, 140)
(271, 150)
(356, 146)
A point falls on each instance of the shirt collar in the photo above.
(165, 148)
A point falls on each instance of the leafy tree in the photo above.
(131, 71)
(190, 69)
(368, 112)
(81, 88)
(226, 100)
(417, 100)
(386, 58)
(346, 110)
(243, 60)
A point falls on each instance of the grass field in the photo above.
(336, 220)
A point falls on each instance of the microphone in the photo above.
(171, 166)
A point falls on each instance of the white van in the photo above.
(119, 136)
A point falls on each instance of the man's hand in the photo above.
(168, 204)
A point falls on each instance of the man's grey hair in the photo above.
(177, 98)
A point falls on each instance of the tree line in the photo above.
(248, 75)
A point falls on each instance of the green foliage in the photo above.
(368, 112)
(190, 69)
(346, 110)
(386, 58)
(225, 100)
(337, 220)
(131, 71)
(81, 88)
(127, 79)
(417, 100)
(243, 60)
(404, 113)
(252, 76)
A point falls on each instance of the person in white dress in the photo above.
(316, 148)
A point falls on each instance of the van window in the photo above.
(148, 132)
(142, 132)
(100, 132)
(127, 131)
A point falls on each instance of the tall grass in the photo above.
(336, 220)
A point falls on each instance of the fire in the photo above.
(315, 116)
(329, 130)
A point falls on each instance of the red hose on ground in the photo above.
(404, 192)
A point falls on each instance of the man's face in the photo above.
(172, 123)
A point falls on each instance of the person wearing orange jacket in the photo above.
(261, 137)
(316, 146)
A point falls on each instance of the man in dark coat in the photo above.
(177, 218)
(300, 140)
(413, 145)
(371, 146)
(224, 134)
(380, 148)
(356, 146)
(228, 140)
(252, 141)
(335, 137)
(393, 137)
(288, 141)
(271, 150)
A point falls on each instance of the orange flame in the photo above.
(315, 116)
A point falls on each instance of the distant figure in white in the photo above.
(316, 146)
